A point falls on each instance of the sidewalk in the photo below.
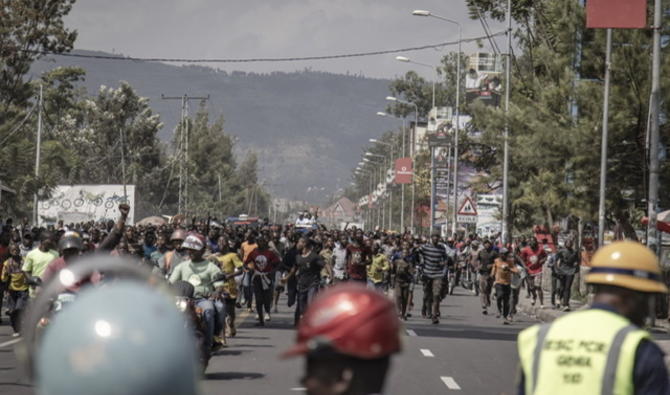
(549, 313)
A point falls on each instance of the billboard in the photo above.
(403, 171)
(616, 14)
(83, 203)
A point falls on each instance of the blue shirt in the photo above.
(650, 377)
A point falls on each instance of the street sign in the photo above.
(467, 208)
(467, 214)
(466, 219)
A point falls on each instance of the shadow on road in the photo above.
(469, 332)
(233, 376)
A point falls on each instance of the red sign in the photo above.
(403, 171)
(616, 14)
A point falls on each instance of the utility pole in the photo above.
(508, 75)
(38, 148)
(653, 241)
(182, 148)
(454, 225)
(603, 143)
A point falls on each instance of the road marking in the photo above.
(427, 353)
(450, 383)
(9, 343)
(411, 332)
(298, 389)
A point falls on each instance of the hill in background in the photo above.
(308, 128)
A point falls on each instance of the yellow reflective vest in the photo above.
(590, 352)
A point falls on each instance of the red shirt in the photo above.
(533, 260)
(264, 261)
(357, 259)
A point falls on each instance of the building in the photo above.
(341, 212)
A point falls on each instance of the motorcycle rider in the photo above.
(348, 336)
(204, 276)
(176, 255)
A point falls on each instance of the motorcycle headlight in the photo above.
(182, 305)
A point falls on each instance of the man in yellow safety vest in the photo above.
(601, 350)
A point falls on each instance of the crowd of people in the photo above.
(250, 267)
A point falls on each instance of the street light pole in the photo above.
(508, 62)
(458, 104)
(604, 138)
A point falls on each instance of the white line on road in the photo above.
(298, 389)
(450, 383)
(9, 343)
(411, 332)
(427, 353)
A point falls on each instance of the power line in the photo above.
(266, 60)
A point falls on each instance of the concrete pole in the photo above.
(454, 224)
(38, 148)
(653, 240)
(508, 76)
(603, 144)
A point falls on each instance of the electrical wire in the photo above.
(17, 127)
(266, 60)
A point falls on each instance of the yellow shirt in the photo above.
(229, 263)
(247, 249)
(376, 270)
(16, 278)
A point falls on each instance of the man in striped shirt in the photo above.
(434, 261)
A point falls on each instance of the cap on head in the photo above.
(351, 320)
(627, 264)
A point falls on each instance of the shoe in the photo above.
(436, 320)
(498, 315)
(408, 315)
(506, 321)
(485, 312)
(238, 305)
(267, 317)
(250, 310)
(532, 303)
(276, 310)
(233, 331)
(566, 308)
(541, 306)
(260, 323)
(16, 334)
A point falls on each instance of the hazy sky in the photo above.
(274, 28)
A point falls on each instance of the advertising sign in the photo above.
(83, 203)
(403, 171)
(616, 14)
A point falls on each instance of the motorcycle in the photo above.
(185, 302)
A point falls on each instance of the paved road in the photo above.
(468, 353)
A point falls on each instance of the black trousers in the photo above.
(566, 288)
(503, 293)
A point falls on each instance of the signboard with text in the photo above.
(403, 171)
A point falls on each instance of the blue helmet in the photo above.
(124, 337)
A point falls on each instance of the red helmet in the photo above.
(352, 320)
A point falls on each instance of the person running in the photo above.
(533, 257)
(340, 259)
(358, 257)
(307, 270)
(17, 287)
(232, 266)
(378, 269)
(38, 259)
(434, 261)
(485, 260)
(261, 265)
(502, 271)
(246, 248)
(404, 278)
(567, 263)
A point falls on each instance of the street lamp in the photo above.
(408, 60)
(458, 104)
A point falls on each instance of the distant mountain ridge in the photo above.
(307, 127)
